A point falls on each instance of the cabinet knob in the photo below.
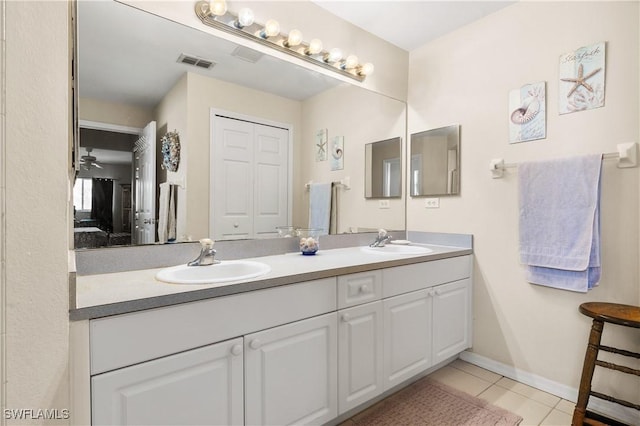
(438, 292)
(255, 344)
(236, 349)
(364, 288)
(236, 225)
(346, 317)
(431, 292)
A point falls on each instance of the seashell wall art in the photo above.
(527, 113)
(171, 151)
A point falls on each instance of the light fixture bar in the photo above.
(256, 32)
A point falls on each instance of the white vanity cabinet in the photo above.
(197, 387)
(291, 373)
(451, 319)
(360, 339)
(407, 336)
(427, 316)
(360, 354)
(294, 354)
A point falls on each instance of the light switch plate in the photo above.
(384, 204)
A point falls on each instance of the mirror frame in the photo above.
(451, 173)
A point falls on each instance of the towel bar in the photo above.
(344, 182)
(627, 156)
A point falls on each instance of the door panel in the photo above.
(200, 386)
(144, 163)
(291, 373)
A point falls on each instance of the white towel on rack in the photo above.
(320, 206)
(167, 212)
(559, 222)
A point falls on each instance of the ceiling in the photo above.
(409, 24)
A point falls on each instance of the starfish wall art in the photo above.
(582, 83)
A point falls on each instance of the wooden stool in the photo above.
(625, 315)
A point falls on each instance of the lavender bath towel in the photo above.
(560, 222)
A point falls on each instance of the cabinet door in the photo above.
(451, 319)
(359, 355)
(291, 373)
(200, 386)
(407, 336)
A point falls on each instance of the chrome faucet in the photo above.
(381, 239)
(207, 254)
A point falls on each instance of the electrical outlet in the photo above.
(432, 203)
(384, 204)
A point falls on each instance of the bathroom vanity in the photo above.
(315, 338)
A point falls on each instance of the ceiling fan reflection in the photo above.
(87, 162)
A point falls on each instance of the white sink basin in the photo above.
(397, 249)
(225, 271)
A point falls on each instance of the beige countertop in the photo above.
(122, 292)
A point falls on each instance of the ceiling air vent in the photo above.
(195, 61)
(247, 54)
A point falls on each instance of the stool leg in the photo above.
(587, 372)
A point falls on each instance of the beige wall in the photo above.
(362, 117)
(113, 113)
(36, 227)
(465, 77)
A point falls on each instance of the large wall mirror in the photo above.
(383, 169)
(435, 162)
(141, 76)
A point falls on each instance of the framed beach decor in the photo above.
(170, 151)
(582, 79)
(527, 113)
(337, 153)
(321, 145)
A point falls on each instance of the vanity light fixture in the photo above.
(271, 29)
(294, 38)
(218, 7)
(214, 13)
(350, 63)
(334, 56)
(245, 18)
(315, 47)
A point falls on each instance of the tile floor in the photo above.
(534, 406)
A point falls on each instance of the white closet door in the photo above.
(250, 179)
(232, 184)
(271, 180)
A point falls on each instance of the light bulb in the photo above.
(218, 7)
(294, 39)
(315, 47)
(245, 18)
(366, 69)
(334, 55)
(350, 63)
(271, 28)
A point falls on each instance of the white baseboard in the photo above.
(609, 409)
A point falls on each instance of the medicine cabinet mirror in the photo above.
(435, 162)
(383, 169)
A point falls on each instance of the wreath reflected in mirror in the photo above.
(171, 151)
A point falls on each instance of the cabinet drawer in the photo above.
(128, 339)
(356, 289)
(403, 279)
